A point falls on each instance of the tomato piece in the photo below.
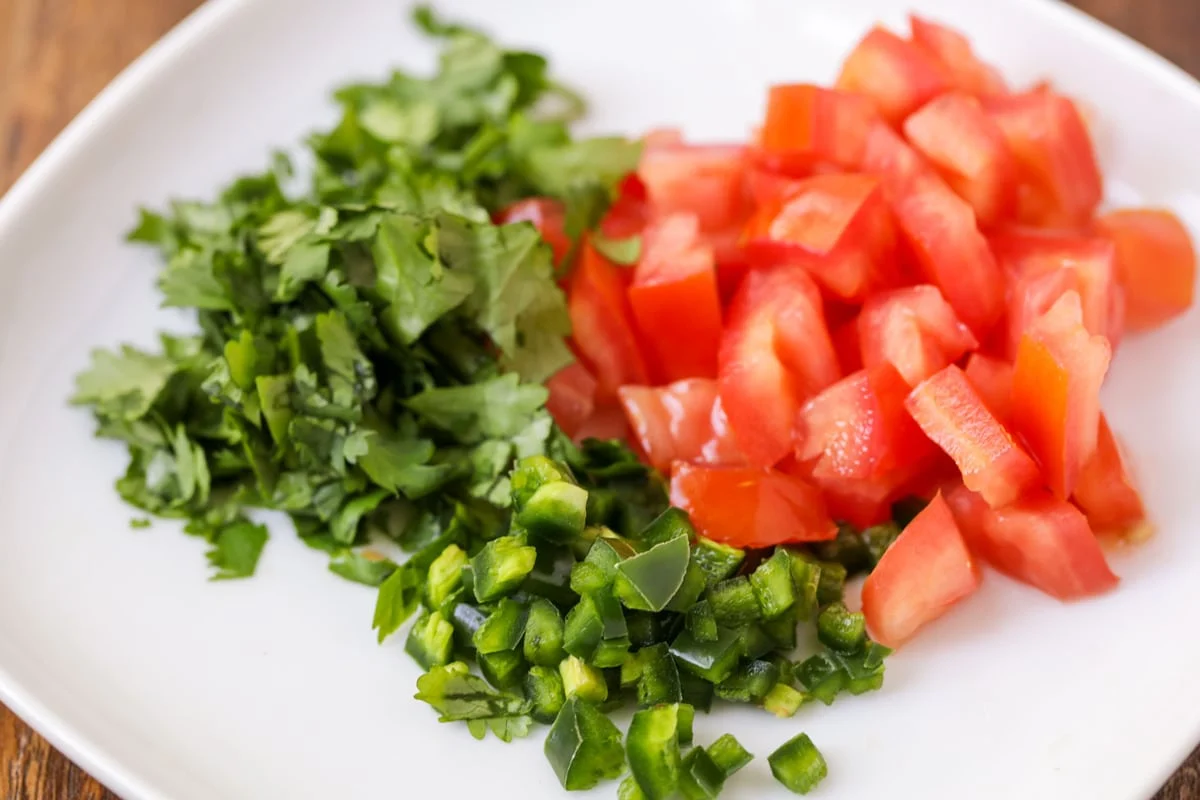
(968, 150)
(1155, 261)
(629, 212)
(953, 415)
(888, 155)
(747, 507)
(913, 329)
(992, 378)
(768, 188)
(572, 397)
(896, 74)
(807, 124)
(927, 570)
(774, 354)
(1056, 392)
(1060, 183)
(547, 216)
(683, 421)
(838, 227)
(707, 181)
(606, 422)
(674, 299)
(847, 345)
(1106, 492)
(602, 325)
(1039, 540)
(967, 72)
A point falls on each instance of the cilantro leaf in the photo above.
(236, 548)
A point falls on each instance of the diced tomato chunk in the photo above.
(707, 181)
(968, 150)
(675, 302)
(547, 216)
(602, 325)
(967, 72)
(838, 227)
(1039, 540)
(899, 76)
(747, 507)
(768, 188)
(775, 353)
(915, 330)
(1106, 492)
(807, 124)
(629, 212)
(1056, 392)
(606, 422)
(992, 378)
(888, 155)
(572, 397)
(1060, 181)
(927, 570)
(1155, 261)
(953, 415)
(683, 421)
(847, 345)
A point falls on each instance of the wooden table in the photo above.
(55, 55)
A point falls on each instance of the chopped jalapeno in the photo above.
(583, 746)
(798, 764)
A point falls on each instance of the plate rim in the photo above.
(125, 779)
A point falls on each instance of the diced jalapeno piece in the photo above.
(695, 581)
(431, 640)
(772, 584)
(734, 602)
(750, 683)
(833, 583)
(672, 523)
(598, 569)
(719, 561)
(702, 622)
(782, 630)
(806, 579)
(728, 754)
(544, 634)
(652, 749)
(862, 676)
(595, 621)
(756, 642)
(551, 576)
(582, 680)
(848, 549)
(648, 581)
(696, 691)
(584, 746)
(713, 661)
(629, 790)
(875, 654)
(503, 628)
(544, 691)
(467, 620)
(500, 567)
(878, 538)
(531, 474)
(658, 681)
(798, 764)
(783, 700)
(445, 575)
(840, 629)
(504, 670)
(823, 677)
(556, 512)
(645, 629)
(700, 778)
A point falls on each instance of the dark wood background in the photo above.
(55, 55)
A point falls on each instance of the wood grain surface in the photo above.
(55, 55)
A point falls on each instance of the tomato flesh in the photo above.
(707, 181)
(992, 378)
(572, 397)
(546, 214)
(913, 329)
(602, 326)
(896, 74)
(1156, 264)
(966, 71)
(748, 507)
(606, 422)
(1106, 492)
(683, 421)
(806, 125)
(925, 572)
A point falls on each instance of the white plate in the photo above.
(113, 644)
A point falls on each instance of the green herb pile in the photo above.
(370, 359)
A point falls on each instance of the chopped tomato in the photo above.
(1040, 540)
(629, 212)
(747, 507)
(967, 72)
(602, 325)
(547, 216)
(684, 421)
(992, 378)
(572, 397)
(768, 188)
(953, 415)
(675, 301)
(927, 570)
(899, 76)
(1155, 261)
(968, 150)
(888, 155)
(1060, 182)
(846, 344)
(775, 353)
(606, 422)
(1106, 492)
(838, 227)
(1056, 392)
(806, 125)
(913, 329)
(707, 181)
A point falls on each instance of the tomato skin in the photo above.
(1056, 161)
(683, 421)
(572, 397)
(1039, 540)
(967, 72)
(807, 124)
(992, 378)
(838, 227)
(547, 216)
(1056, 392)
(953, 415)
(968, 150)
(925, 572)
(675, 302)
(1156, 263)
(896, 74)
(748, 507)
(606, 422)
(705, 180)
(1106, 492)
(913, 329)
(602, 325)
(774, 354)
